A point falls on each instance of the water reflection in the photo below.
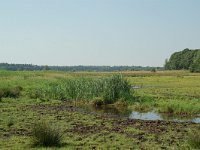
(161, 116)
(145, 116)
(109, 110)
(196, 120)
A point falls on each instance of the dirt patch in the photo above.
(82, 129)
(49, 107)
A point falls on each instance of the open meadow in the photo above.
(92, 110)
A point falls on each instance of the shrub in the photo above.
(153, 70)
(45, 135)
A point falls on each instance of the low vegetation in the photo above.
(109, 89)
(44, 134)
(194, 140)
(52, 95)
(12, 92)
(175, 107)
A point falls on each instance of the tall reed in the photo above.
(110, 89)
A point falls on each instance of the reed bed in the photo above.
(109, 89)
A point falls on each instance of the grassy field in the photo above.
(31, 98)
(177, 93)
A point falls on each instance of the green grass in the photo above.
(174, 92)
(110, 89)
(178, 94)
(165, 91)
(12, 92)
(177, 107)
(194, 140)
(46, 135)
(82, 130)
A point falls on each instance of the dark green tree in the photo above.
(186, 59)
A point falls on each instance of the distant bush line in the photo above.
(30, 67)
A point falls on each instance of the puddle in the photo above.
(145, 116)
(110, 110)
(148, 86)
(160, 116)
(196, 120)
(136, 87)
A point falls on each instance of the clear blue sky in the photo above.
(97, 32)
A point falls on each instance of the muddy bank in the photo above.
(113, 112)
(89, 129)
(163, 133)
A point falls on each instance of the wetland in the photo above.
(163, 114)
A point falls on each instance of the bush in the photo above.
(45, 135)
(153, 70)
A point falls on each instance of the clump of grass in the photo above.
(97, 101)
(10, 122)
(194, 140)
(10, 92)
(46, 135)
(110, 89)
(121, 103)
(115, 88)
(142, 107)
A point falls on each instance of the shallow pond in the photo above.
(110, 110)
(161, 116)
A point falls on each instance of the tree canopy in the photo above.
(185, 59)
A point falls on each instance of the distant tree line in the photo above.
(30, 67)
(185, 59)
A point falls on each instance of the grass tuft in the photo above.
(10, 92)
(10, 122)
(45, 135)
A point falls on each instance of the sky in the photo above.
(97, 32)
